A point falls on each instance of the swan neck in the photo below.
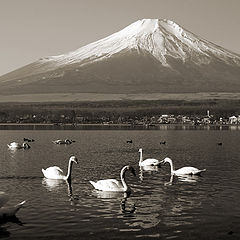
(69, 173)
(171, 166)
(122, 175)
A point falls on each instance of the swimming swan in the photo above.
(57, 173)
(15, 145)
(113, 185)
(183, 170)
(9, 211)
(66, 141)
(149, 161)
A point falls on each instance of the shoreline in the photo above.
(69, 97)
(95, 126)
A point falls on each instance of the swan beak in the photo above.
(162, 162)
(75, 160)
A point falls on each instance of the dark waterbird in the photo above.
(28, 140)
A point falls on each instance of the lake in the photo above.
(205, 207)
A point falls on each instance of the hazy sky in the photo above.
(30, 29)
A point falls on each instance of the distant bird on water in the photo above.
(28, 140)
(66, 141)
(15, 145)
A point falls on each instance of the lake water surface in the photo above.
(204, 207)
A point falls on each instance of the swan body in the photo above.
(8, 211)
(113, 185)
(149, 161)
(15, 145)
(57, 173)
(183, 170)
(59, 141)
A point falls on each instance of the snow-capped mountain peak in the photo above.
(148, 56)
(159, 37)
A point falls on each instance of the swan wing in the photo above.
(3, 198)
(150, 162)
(14, 145)
(108, 185)
(53, 172)
(58, 141)
(55, 169)
(189, 171)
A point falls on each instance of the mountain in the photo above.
(148, 56)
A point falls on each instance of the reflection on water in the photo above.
(13, 220)
(122, 197)
(109, 195)
(160, 205)
(188, 178)
(56, 185)
(183, 178)
(148, 169)
(127, 209)
(52, 184)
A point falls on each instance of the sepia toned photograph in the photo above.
(119, 120)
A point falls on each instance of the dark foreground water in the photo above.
(204, 207)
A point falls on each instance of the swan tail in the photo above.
(44, 172)
(8, 212)
(93, 183)
(18, 206)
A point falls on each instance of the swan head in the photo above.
(25, 145)
(132, 170)
(74, 159)
(165, 160)
(140, 150)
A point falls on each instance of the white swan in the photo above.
(183, 170)
(149, 161)
(113, 185)
(59, 141)
(57, 173)
(15, 145)
(8, 211)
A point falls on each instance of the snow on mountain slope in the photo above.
(158, 37)
(148, 56)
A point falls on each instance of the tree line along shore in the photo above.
(121, 112)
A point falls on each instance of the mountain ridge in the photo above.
(149, 55)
